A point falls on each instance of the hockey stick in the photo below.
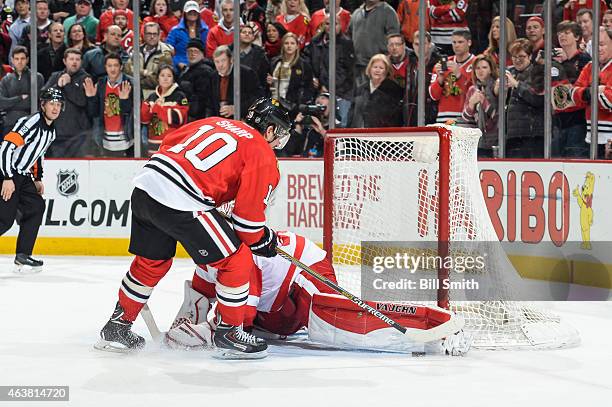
(147, 316)
(418, 335)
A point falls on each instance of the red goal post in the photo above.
(444, 136)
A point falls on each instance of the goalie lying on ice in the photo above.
(283, 299)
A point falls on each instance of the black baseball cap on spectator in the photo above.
(195, 43)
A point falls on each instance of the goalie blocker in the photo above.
(283, 299)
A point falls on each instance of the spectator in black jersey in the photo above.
(317, 55)
(74, 130)
(21, 153)
(77, 38)
(378, 102)
(253, 55)
(15, 89)
(61, 9)
(50, 57)
(222, 89)
(196, 80)
(290, 77)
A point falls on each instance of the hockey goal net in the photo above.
(422, 186)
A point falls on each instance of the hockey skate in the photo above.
(233, 342)
(117, 335)
(25, 264)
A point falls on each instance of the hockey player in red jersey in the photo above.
(199, 167)
(283, 299)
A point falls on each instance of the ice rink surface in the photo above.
(49, 322)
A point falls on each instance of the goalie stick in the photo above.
(418, 335)
(147, 316)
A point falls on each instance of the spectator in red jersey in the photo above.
(5, 46)
(535, 34)
(222, 33)
(274, 34)
(569, 129)
(378, 102)
(494, 33)
(581, 95)
(607, 19)
(446, 17)
(449, 86)
(207, 15)
(572, 7)
(164, 110)
(161, 14)
(295, 18)
(585, 21)
(343, 18)
(291, 75)
(77, 38)
(400, 56)
(107, 17)
(408, 14)
(127, 35)
(109, 104)
(481, 109)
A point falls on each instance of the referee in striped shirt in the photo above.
(21, 154)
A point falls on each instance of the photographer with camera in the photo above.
(311, 125)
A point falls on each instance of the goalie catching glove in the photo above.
(266, 246)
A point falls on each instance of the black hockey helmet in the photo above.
(52, 94)
(270, 112)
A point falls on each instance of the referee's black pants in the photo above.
(31, 207)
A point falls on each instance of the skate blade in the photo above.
(268, 335)
(230, 354)
(114, 347)
(25, 270)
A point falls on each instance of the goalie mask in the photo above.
(267, 112)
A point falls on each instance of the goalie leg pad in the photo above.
(336, 321)
(190, 328)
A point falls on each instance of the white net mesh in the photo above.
(385, 190)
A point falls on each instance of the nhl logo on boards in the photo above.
(67, 183)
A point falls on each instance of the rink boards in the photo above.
(531, 202)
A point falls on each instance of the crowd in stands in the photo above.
(86, 48)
